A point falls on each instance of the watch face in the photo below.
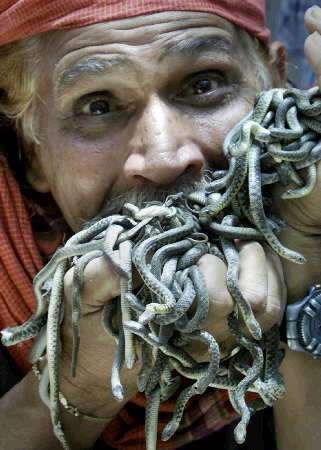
(309, 325)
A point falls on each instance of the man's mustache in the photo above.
(150, 192)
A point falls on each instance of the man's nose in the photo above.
(161, 150)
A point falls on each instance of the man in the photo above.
(140, 101)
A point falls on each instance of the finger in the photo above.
(312, 19)
(312, 51)
(101, 283)
(214, 272)
(277, 293)
(253, 280)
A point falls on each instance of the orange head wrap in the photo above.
(22, 18)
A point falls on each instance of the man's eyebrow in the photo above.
(95, 65)
(88, 67)
(193, 46)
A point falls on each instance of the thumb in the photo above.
(312, 44)
(302, 214)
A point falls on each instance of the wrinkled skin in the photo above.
(158, 127)
(159, 120)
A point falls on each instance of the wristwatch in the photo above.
(303, 323)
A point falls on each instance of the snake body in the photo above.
(152, 408)
(232, 258)
(78, 283)
(139, 259)
(238, 395)
(164, 241)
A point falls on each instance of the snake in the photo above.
(139, 259)
(152, 408)
(237, 396)
(257, 209)
(241, 165)
(53, 350)
(303, 100)
(299, 152)
(306, 189)
(181, 402)
(202, 299)
(116, 384)
(230, 232)
(164, 241)
(125, 253)
(232, 259)
(78, 283)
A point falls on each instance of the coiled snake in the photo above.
(163, 242)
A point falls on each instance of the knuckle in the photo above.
(68, 282)
(252, 247)
(209, 260)
(256, 297)
(68, 278)
(272, 316)
(221, 303)
(256, 246)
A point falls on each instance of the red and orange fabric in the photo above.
(22, 18)
(24, 250)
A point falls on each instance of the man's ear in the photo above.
(278, 64)
(35, 173)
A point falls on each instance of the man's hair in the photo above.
(20, 71)
(19, 62)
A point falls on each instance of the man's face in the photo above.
(139, 103)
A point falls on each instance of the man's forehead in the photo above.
(105, 64)
(141, 30)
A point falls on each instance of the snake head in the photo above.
(6, 336)
(168, 431)
(202, 385)
(240, 432)
(173, 199)
(146, 316)
(204, 216)
(118, 392)
(136, 328)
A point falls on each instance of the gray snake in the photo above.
(163, 242)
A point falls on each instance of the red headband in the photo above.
(23, 18)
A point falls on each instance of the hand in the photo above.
(303, 216)
(312, 22)
(261, 282)
(300, 371)
(90, 390)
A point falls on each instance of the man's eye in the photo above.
(97, 108)
(94, 105)
(203, 83)
(202, 87)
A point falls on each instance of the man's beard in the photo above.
(139, 197)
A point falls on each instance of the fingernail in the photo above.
(315, 12)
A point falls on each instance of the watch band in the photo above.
(303, 323)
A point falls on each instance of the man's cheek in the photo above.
(78, 197)
(212, 132)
